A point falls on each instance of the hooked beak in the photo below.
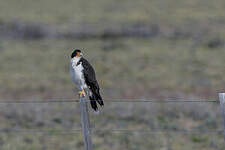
(81, 54)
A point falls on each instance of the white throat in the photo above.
(75, 59)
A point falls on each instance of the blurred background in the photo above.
(141, 49)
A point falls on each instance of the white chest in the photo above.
(78, 69)
(76, 73)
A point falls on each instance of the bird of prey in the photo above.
(83, 76)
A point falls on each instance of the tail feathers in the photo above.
(96, 97)
(93, 103)
(99, 100)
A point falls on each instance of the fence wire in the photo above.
(103, 131)
(107, 100)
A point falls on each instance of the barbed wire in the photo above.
(107, 100)
(128, 131)
(123, 131)
(39, 131)
(103, 131)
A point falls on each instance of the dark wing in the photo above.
(89, 73)
(92, 83)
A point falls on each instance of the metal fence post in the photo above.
(85, 122)
(222, 107)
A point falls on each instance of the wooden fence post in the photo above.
(85, 122)
(222, 107)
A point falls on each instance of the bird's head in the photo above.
(76, 53)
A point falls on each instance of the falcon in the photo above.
(83, 76)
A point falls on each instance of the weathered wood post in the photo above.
(85, 122)
(222, 107)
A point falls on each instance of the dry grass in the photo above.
(184, 59)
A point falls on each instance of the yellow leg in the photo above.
(82, 93)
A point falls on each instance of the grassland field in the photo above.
(182, 57)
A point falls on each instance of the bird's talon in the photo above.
(82, 93)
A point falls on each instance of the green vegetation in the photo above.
(142, 68)
(139, 49)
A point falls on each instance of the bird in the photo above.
(83, 76)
